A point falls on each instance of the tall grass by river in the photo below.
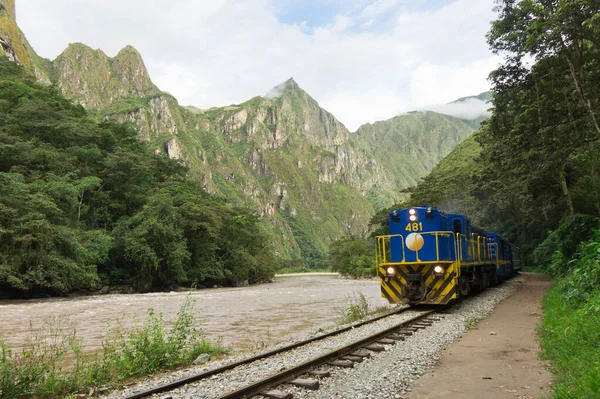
(53, 362)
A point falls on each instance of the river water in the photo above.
(241, 318)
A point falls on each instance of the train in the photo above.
(434, 258)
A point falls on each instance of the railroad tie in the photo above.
(356, 359)
(397, 337)
(313, 385)
(361, 353)
(342, 363)
(422, 324)
(386, 341)
(375, 348)
(406, 332)
(320, 374)
(276, 394)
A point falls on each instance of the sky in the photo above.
(362, 60)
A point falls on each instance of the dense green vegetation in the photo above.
(85, 204)
(53, 364)
(571, 328)
(352, 256)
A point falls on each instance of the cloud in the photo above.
(439, 83)
(219, 52)
(377, 8)
(340, 23)
(276, 91)
(471, 108)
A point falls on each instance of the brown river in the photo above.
(241, 318)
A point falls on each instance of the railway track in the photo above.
(345, 356)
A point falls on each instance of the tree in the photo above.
(353, 256)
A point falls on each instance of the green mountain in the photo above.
(409, 146)
(475, 121)
(486, 96)
(292, 162)
(451, 184)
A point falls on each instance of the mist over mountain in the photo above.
(468, 108)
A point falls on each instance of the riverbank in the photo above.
(291, 307)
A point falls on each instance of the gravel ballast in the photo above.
(385, 375)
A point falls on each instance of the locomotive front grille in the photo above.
(419, 284)
(414, 289)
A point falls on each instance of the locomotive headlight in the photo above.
(412, 212)
(391, 271)
(438, 270)
(413, 218)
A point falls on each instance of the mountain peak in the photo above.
(129, 50)
(486, 96)
(291, 84)
(96, 81)
(281, 88)
(78, 46)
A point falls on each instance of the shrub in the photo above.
(357, 309)
(564, 240)
(40, 369)
(352, 256)
(583, 280)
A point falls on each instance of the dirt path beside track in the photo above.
(499, 358)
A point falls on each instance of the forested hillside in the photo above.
(85, 204)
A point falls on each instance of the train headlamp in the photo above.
(413, 218)
(412, 212)
(391, 271)
(395, 213)
(429, 210)
(438, 270)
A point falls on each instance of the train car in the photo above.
(515, 257)
(506, 255)
(431, 257)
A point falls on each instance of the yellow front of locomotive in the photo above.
(417, 263)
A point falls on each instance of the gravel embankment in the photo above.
(386, 375)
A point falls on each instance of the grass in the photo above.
(570, 340)
(358, 308)
(472, 324)
(53, 364)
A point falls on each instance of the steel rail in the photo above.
(200, 376)
(258, 387)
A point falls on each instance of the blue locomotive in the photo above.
(433, 257)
